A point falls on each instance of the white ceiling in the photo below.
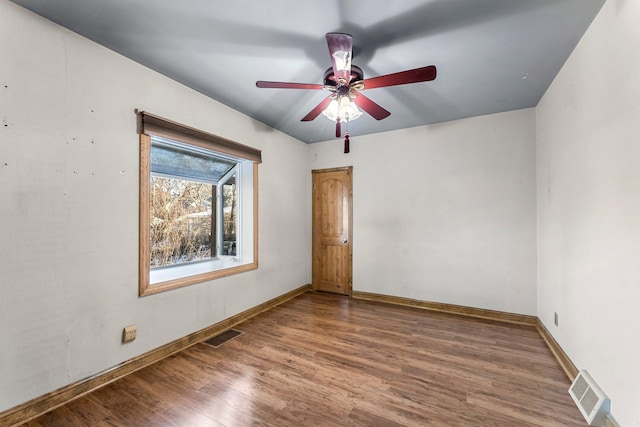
(492, 55)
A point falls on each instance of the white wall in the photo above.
(69, 209)
(588, 127)
(445, 212)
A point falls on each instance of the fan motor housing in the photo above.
(328, 78)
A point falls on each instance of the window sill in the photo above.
(164, 279)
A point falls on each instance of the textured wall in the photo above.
(445, 212)
(589, 206)
(69, 209)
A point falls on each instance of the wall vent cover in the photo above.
(590, 399)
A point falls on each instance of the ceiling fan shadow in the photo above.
(431, 18)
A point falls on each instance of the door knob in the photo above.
(345, 241)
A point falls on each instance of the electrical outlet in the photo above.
(129, 333)
(555, 319)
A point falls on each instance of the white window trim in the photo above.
(220, 213)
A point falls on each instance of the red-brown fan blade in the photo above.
(416, 75)
(338, 129)
(285, 85)
(317, 110)
(376, 111)
(340, 47)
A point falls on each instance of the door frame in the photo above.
(349, 263)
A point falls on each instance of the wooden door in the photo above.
(332, 245)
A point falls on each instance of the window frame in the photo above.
(220, 201)
(149, 125)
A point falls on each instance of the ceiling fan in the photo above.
(345, 81)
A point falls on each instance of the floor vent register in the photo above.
(223, 337)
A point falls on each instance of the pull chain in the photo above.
(346, 138)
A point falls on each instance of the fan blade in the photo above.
(338, 129)
(285, 85)
(317, 110)
(376, 111)
(340, 47)
(416, 75)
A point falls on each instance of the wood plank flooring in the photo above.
(326, 360)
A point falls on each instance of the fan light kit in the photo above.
(342, 109)
(345, 81)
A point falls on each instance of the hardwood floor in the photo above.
(326, 360)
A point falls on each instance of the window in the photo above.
(193, 205)
(198, 206)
